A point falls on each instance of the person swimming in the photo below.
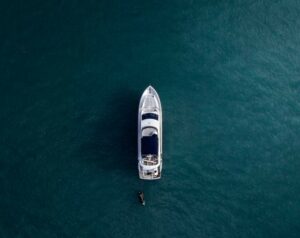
(142, 198)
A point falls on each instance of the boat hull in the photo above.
(150, 121)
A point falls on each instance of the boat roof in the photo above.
(149, 131)
(150, 145)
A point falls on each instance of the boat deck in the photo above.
(150, 176)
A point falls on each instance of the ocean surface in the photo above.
(71, 75)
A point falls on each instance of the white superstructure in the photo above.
(150, 135)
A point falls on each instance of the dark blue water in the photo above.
(228, 74)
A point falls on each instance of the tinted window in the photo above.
(150, 116)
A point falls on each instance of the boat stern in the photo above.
(149, 173)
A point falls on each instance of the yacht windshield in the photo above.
(150, 116)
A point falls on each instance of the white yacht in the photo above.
(150, 135)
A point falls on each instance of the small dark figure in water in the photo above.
(142, 198)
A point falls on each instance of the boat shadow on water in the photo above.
(112, 144)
